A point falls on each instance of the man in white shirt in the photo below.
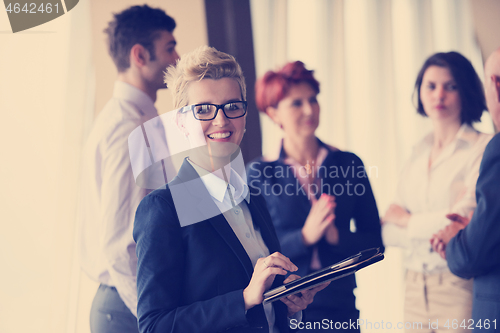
(142, 46)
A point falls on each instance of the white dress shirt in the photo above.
(431, 193)
(109, 194)
(233, 205)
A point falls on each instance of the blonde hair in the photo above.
(203, 63)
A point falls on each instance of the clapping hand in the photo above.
(320, 218)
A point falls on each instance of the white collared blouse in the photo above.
(448, 186)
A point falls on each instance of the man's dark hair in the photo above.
(135, 25)
(468, 83)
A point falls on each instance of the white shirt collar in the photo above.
(466, 135)
(139, 98)
(217, 186)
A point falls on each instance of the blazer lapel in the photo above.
(203, 202)
(264, 225)
(220, 224)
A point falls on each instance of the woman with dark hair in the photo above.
(439, 179)
(319, 197)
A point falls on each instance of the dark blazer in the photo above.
(475, 251)
(290, 209)
(191, 278)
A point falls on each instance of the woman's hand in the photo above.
(320, 217)
(263, 276)
(396, 215)
(300, 301)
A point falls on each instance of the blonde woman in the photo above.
(206, 247)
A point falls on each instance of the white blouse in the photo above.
(431, 193)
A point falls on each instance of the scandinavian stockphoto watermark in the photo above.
(28, 14)
(335, 180)
(157, 159)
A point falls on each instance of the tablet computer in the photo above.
(336, 271)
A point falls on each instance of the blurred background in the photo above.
(55, 78)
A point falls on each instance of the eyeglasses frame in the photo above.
(218, 107)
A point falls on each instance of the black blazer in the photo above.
(475, 251)
(342, 175)
(191, 278)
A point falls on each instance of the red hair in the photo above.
(273, 86)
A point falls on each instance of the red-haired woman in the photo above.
(319, 197)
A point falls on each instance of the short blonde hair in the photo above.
(203, 63)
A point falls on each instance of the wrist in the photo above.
(305, 240)
(247, 299)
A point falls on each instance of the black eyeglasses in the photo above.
(206, 112)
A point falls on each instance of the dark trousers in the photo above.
(109, 314)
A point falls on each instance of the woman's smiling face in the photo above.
(221, 135)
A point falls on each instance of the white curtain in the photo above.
(46, 98)
(366, 55)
